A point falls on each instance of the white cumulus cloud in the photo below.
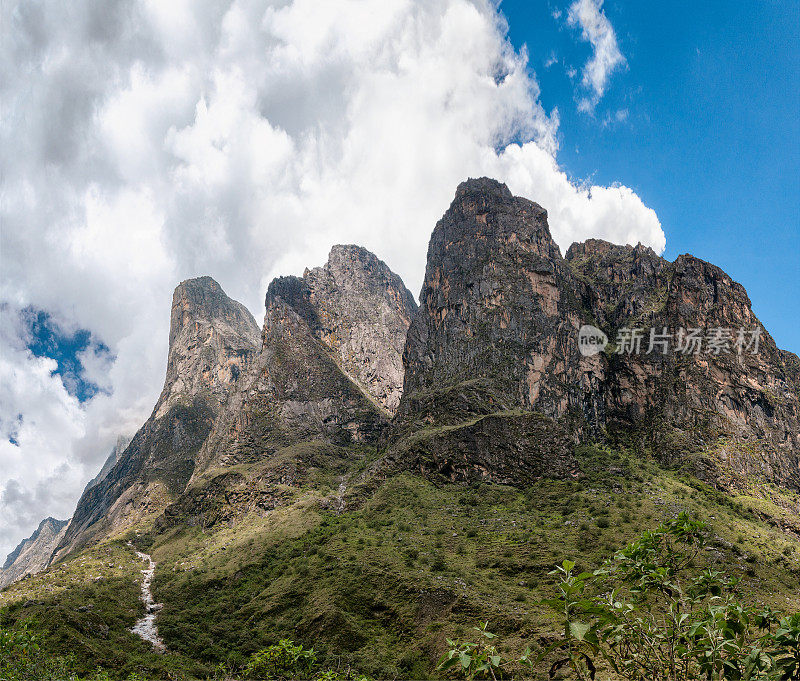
(147, 142)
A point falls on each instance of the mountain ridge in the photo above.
(494, 387)
(32, 554)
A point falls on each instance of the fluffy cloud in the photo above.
(147, 142)
(606, 57)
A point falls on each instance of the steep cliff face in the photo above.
(292, 392)
(327, 375)
(119, 447)
(689, 400)
(32, 555)
(497, 303)
(495, 385)
(359, 309)
(497, 331)
(494, 334)
(212, 339)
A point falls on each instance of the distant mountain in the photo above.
(33, 554)
(111, 460)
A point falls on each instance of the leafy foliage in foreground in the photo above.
(23, 659)
(285, 661)
(648, 614)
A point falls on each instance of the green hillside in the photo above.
(380, 586)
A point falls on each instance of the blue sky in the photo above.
(48, 339)
(711, 134)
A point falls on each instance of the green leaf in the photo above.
(568, 564)
(579, 629)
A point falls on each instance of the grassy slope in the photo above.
(381, 587)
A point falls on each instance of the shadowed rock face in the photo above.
(359, 309)
(330, 364)
(500, 311)
(498, 304)
(32, 555)
(292, 392)
(212, 339)
(495, 332)
(119, 447)
(326, 367)
(686, 401)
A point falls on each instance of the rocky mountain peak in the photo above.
(212, 341)
(497, 329)
(211, 338)
(33, 554)
(497, 302)
(483, 187)
(360, 310)
(485, 210)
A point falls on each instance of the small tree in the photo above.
(282, 661)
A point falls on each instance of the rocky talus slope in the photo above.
(33, 554)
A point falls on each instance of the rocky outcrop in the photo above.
(495, 332)
(739, 405)
(500, 310)
(294, 391)
(359, 309)
(212, 339)
(497, 304)
(32, 555)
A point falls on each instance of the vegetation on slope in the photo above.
(381, 586)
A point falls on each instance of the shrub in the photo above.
(650, 613)
(282, 661)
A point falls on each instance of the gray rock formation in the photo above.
(212, 339)
(743, 407)
(33, 554)
(497, 303)
(295, 389)
(119, 447)
(494, 384)
(497, 330)
(326, 368)
(358, 308)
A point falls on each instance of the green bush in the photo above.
(282, 661)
